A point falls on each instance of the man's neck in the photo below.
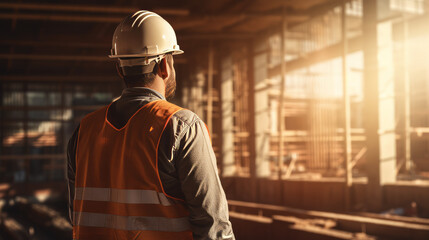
(157, 85)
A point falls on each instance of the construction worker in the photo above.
(141, 167)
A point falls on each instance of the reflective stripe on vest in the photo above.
(132, 196)
(131, 223)
(118, 191)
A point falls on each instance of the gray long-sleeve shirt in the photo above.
(187, 164)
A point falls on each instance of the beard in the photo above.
(170, 88)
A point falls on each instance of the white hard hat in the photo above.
(142, 38)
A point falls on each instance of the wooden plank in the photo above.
(48, 219)
(250, 226)
(302, 229)
(250, 217)
(13, 228)
(416, 220)
(377, 227)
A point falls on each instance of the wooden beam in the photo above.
(60, 17)
(280, 121)
(378, 104)
(40, 57)
(55, 57)
(347, 144)
(35, 78)
(416, 220)
(324, 7)
(377, 227)
(305, 229)
(12, 228)
(49, 108)
(251, 103)
(128, 10)
(214, 35)
(70, 8)
(89, 8)
(118, 18)
(42, 43)
(354, 44)
(107, 45)
(53, 221)
(210, 87)
(406, 98)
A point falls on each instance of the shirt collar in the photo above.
(141, 91)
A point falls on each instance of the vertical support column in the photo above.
(227, 101)
(2, 122)
(210, 89)
(25, 163)
(407, 115)
(64, 139)
(186, 89)
(379, 104)
(251, 103)
(346, 108)
(261, 85)
(2, 111)
(280, 116)
(197, 93)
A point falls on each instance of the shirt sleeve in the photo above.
(71, 170)
(201, 186)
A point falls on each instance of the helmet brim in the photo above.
(143, 55)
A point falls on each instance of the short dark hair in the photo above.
(141, 79)
(132, 75)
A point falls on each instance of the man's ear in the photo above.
(118, 69)
(163, 69)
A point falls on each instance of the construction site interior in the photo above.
(317, 109)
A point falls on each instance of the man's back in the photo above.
(118, 190)
(186, 163)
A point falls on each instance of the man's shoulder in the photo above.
(185, 116)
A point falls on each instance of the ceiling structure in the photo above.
(72, 38)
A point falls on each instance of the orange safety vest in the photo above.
(118, 191)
